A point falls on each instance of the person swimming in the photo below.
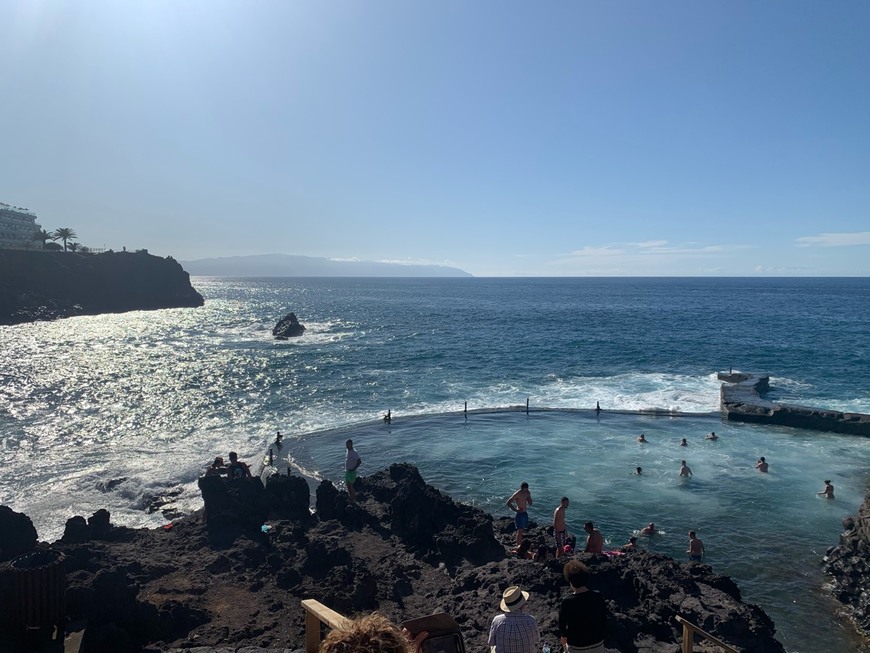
(649, 529)
(638, 471)
(642, 438)
(712, 436)
(828, 492)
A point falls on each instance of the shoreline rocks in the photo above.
(741, 400)
(848, 565)
(216, 579)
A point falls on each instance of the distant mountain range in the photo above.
(286, 265)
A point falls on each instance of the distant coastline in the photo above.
(287, 265)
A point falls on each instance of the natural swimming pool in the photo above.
(767, 531)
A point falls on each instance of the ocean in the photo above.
(112, 411)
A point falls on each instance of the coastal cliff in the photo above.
(217, 579)
(44, 285)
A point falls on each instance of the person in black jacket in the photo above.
(583, 614)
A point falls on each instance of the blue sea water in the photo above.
(112, 410)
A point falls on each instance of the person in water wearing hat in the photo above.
(514, 631)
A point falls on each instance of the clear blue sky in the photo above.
(503, 137)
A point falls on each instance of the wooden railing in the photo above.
(316, 614)
(689, 630)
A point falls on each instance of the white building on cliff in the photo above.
(18, 228)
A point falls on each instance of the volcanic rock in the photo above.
(404, 549)
(288, 327)
(848, 565)
(17, 534)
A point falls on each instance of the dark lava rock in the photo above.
(289, 497)
(239, 503)
(288, 327)
(405, 549)
(17, 534)
(848, 565)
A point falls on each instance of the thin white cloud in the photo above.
(651, 248)
(597, 251)
(835, 239)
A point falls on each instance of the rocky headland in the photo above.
(47, 285)
(219, 579)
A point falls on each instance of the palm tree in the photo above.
(73, 246)
(42, 236)
(64, 234)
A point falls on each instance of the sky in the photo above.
(502, 137)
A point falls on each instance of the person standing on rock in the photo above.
(696, 548)
(514, 631)
(560, 529)
(351, 464)
(519, 502)
(583, 615)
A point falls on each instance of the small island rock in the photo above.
(288, 327)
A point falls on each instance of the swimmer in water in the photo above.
(683, 443)
(638, 471)
(828, 492)
(649, 529)
(762, 465)
(712, 436)
(642, 439)
(685, 470)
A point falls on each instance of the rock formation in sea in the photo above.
(741, 399)
(288, 327)
(848, 565)
(217, 578)
(45, 285)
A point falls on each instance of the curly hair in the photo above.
(373, 633)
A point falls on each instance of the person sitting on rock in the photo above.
(632, 544)
(372, 633)
(594, 539)
(523, 551)
(217, 468)
(237, 468)
(543, 553)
